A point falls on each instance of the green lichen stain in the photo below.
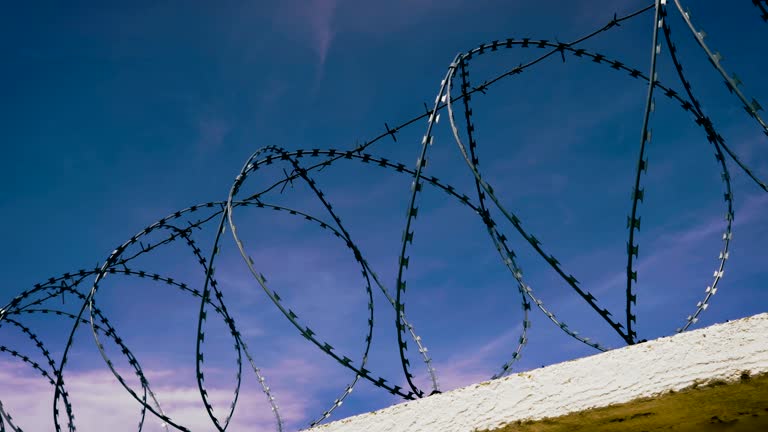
(715, 406)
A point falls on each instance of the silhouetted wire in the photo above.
(37, 301)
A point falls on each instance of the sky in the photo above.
(114, 115)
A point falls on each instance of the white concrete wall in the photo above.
(718, 353)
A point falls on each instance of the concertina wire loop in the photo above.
(181, 225)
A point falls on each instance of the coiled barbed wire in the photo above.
(762, 5)
(180, 227)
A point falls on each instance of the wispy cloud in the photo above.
(211, 132)
(475, 364)
(100, 403)
(393, 16)
(312, 20)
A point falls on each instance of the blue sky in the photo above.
(116, 115)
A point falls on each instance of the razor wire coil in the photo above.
(83, 285)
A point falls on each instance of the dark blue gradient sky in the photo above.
(115, 114)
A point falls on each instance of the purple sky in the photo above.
(116, 115)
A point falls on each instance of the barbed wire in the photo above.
(762, 5)
(181, 226)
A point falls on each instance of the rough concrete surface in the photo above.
(712, 379)
(740, 406)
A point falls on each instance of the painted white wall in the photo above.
(720, 352)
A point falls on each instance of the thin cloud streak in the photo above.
(312, 20)
(27, 397)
